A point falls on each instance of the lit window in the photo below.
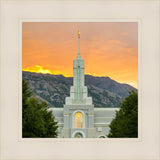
(78, 120)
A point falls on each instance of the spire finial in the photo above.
(79, 33)
(79, 56)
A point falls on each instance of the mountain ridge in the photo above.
(104, 91)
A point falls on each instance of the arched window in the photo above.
(78, 120)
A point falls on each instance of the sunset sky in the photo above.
(108, 48)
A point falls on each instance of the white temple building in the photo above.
(78, 118)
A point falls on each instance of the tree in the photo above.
(125, 124)
(37, 120)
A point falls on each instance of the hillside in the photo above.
(54, 88)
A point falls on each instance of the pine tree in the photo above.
(37, 120)
(125, 124)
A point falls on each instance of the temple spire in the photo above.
(79, 56)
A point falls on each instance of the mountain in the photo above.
(53, 89)
(108, 84)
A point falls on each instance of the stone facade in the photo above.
(95, 125)
(78, 118)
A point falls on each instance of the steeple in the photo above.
(78, 92)
(79, 56)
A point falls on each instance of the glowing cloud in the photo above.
(111, 51)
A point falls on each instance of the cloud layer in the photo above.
(108, 48)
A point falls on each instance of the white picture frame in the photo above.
(14, 13)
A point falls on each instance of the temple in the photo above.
(79, 118)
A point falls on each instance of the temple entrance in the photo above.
(78, 135)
